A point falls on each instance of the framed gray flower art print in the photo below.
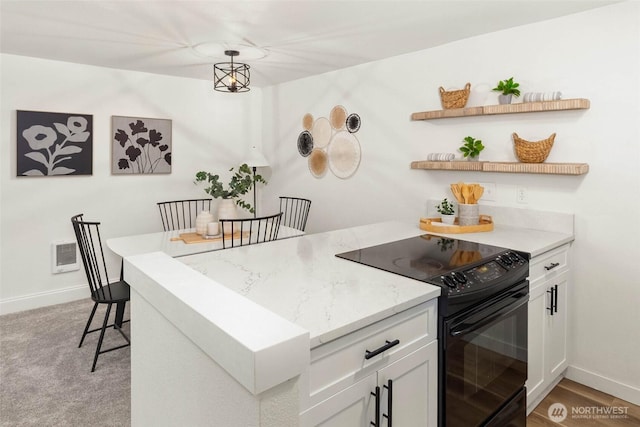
(140, 145)
(53, 143)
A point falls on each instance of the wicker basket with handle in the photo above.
(455, 98)
(532, 151)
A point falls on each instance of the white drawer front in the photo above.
(549, 263)
(341, 363)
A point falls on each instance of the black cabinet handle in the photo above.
(389, 415)
(551, 304)
(376, 423)
(555, 299)
(369, 354)
(551, 266)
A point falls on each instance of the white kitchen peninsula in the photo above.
(274, 334)
(227, 337)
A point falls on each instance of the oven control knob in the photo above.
(459, 277)
(448, 281)
(505, 259)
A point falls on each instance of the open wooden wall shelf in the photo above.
(507, 167)
(488, 110)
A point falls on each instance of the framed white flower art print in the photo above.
(54, 143)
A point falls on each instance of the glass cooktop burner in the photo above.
(423, 257)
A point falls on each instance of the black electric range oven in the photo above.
(482, 326)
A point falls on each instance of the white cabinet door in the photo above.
(536, 343)
(352, 407)
(414, 380)
(556, 329)
(547, 339)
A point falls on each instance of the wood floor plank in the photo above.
(592, 408)
(536, 420)
(587, 392)
(634, 410)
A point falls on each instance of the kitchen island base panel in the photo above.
(174, 382)
(256, 346)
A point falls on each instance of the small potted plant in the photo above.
(508, 88)
(447, 213)
(471, 148)
(241, 182)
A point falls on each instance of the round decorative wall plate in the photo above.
(344, 154)
(307, 122)
(353, 122)
(305, 143)
(317, 162)
(338, 117)
(321, 132)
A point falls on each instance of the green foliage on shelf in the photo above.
(508, 87)
(472, 147)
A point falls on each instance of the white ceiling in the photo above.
(280, 40)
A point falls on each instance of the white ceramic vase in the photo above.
(448, 219)
(202, 220)
(227, 209)
(505, 99)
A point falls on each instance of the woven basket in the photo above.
(532, 151)
(455, 98)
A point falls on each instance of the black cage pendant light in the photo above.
(230, 76)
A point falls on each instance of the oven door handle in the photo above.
(464, 328)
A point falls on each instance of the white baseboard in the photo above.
(43, 299)
(621, 391)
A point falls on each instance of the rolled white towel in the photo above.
(441, 157)
(541, 96)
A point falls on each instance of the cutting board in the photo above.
(189, 238)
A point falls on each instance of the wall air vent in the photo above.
(64, 256)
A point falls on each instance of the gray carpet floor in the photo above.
(46, 380)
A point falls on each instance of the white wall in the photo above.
(592, 55)
(211, 131)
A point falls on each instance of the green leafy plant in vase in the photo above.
(509, 88)
(447, 211)
(471, 148)
(242, 181)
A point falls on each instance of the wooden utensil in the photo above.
(465, 193)
(472, 197)
(478, 191)
(455, 189)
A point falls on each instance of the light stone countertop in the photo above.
(302, 280)
(162, 241)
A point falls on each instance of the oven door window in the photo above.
(486, 360)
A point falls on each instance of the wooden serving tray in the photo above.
(436, 225)
(189, 238)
